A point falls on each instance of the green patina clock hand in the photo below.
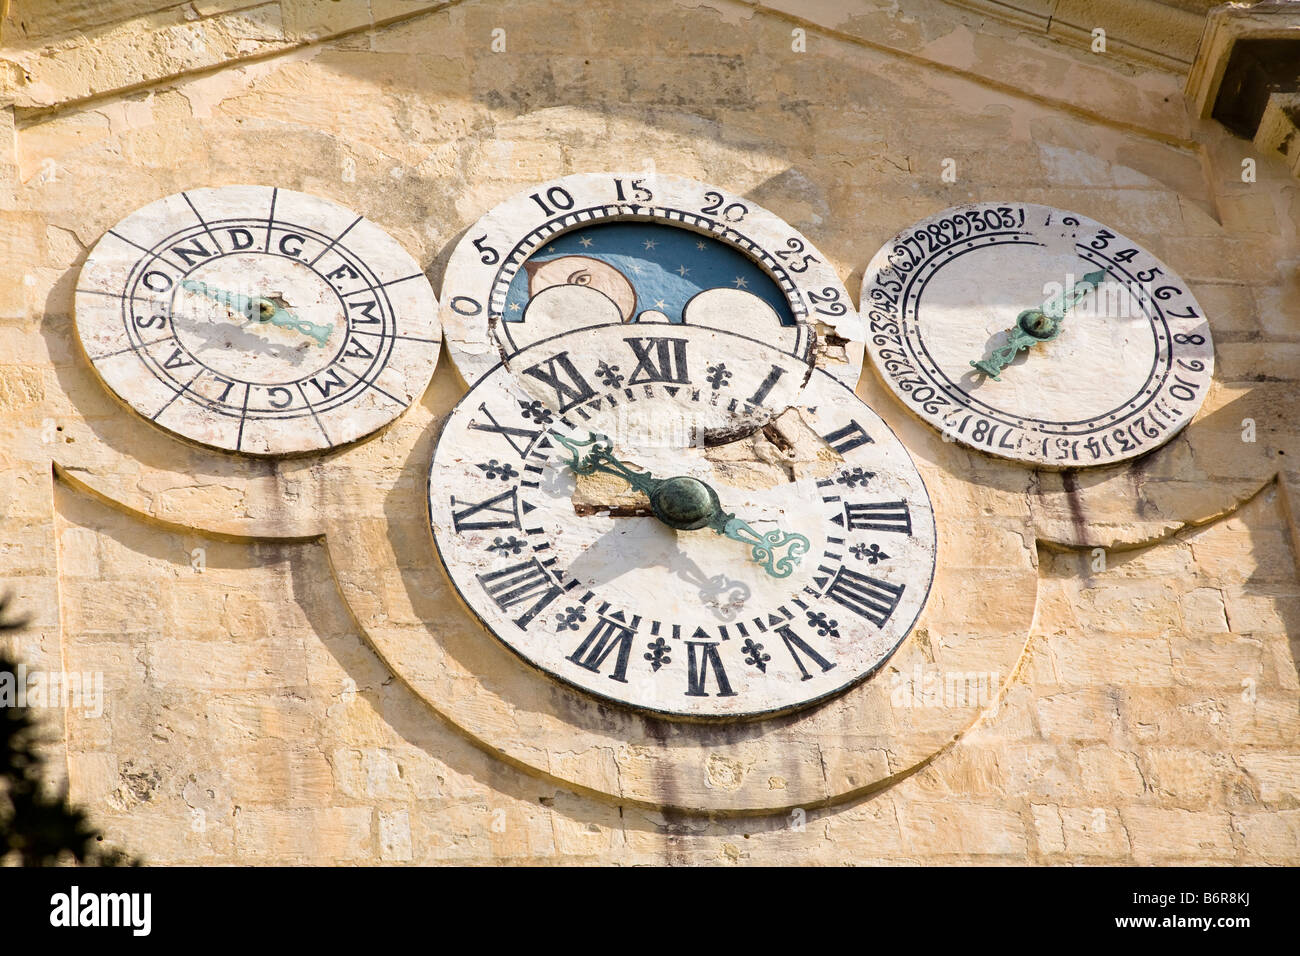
(688, 504)
(1041, 324)
(260, 309)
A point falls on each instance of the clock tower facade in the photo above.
(456, 432)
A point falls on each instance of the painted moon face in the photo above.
(1038, 335)
(257, 320)
(811, 568)
(587, 273)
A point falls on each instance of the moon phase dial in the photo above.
(596, 248)
(598, 533)
(257, 319)
(1035, 334)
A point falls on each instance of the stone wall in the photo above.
(287, 675)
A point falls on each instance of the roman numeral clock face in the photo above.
(257, 320)
(681, 519)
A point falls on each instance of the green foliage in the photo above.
(38, 827)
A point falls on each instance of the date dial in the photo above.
(1036, 334)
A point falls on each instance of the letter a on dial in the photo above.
(257, 320)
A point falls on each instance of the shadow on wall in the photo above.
(240, 714)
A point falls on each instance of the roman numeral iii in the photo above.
(878, 516)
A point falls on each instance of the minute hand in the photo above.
(688, 504)
(260, 309)
(1037, 325)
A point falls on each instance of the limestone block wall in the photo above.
(287, 674)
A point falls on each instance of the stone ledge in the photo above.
(179, 41)
(1063, 72)
(1269, 20)
(1146, 32)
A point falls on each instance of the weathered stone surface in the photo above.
(269, 696)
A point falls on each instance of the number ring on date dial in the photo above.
(1129, 368)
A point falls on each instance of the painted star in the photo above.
(550, 248)
(660, 304)
(741, 283)
(649, 244)
(635, 268)
(586, 241)
(514, 306)
(700, 246)
(682, 270)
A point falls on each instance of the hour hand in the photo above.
(685, 503)
(778, 551)
(234, 301)
(1040, 324)
(260, 309)
(268, 310)
(597, 454)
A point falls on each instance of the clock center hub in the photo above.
(211, 316)
(1038, 325)
(685, 503)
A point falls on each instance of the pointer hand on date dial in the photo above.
(1041, 324)
(261, 309)
(688, 504)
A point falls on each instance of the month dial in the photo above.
(1036, 334)
(595, 248)
(257, 319)
(687, 528)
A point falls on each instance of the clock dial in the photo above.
(595, 248)
(257, 319)
(661, 581)
(1036, 334)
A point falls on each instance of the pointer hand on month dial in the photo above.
(260, 309)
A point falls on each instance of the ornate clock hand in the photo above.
(260, 309)
(1041, 324)
(282, 317)
(688, 504)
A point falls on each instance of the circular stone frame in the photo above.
(905, 329)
